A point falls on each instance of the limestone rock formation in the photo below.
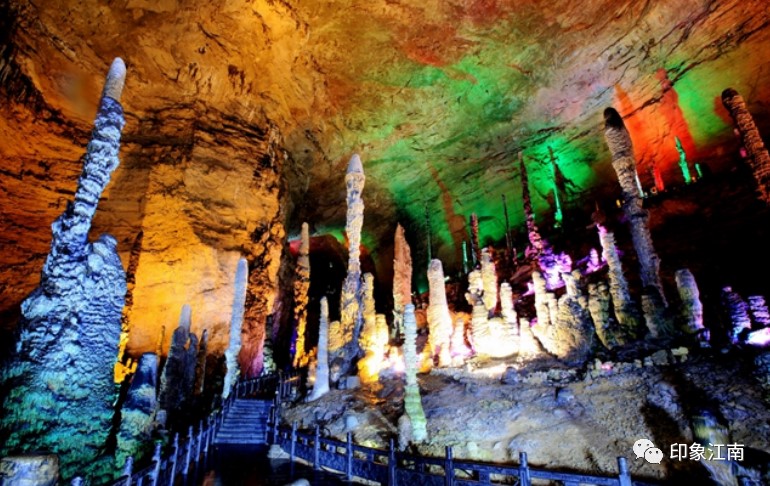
(475, 241)
(321, 381)
(506, 305)
(138, 412)
(374, 341)
(619, 143)
(692, 308)
(178, 376)
(458, 347)
(439, 319)
(737, 312)
(412, 400)
(350, 298)
(758, 310)
(489, 279)
(60, 379)
(200, 363)
(600, 307)
(402, 281)
(535, 247)
(626, 312)
(236, 326)
(301, 287)
(757, 155)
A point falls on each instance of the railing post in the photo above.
(187, 451)
(199, 443)
(449, 468)
(349, 454)
(172, 458)
(128, 470)
(391, 463)
(155, 465)
(275, 425)
(317, 449)
(524, 478)
(624, 477)
(293, 441)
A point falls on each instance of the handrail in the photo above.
(193, 448)
(391, 467)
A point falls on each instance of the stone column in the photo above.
(412, 400)
(402, 281)
(439, 319)
(619, 143)
(236, 325)
(756, 153)
(321, 383)
(301, 287)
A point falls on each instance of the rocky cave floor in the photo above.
(566, 419)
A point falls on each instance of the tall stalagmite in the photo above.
(475, 240)
(138, 412)
(236, 326)
(350, 298)
(489, 281)
(692, 308)
(756, 152)
(301, 287)
(535, 247)
(321, 383)
(412, 400)
(60, 380)
(402, 281)
(439, 319)
(200, 363)
(178, 376)
(625, 309)
(619, 143)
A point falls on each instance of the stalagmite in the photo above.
(541, 300)
(625, 310)
(374, 341)
(458, 347)
(60, 380)
(321, 382)
(475, 293)
(692, 309)
(412, 400)
(475, 241)
(529, 347)
(439, 319)
(619, 143)
(350, 298)
(759, 312)
(756, 152)
(178, 376)
(489, 281)
(301, 287)
(138, 412)
(607, 329)
(480, 328)
(506, 305)
(200, 363)
(535, 247)
(236, 323)
(737, 313)
(402, 281)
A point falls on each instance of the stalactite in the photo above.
(439, 319)
(402, 281)
(350, 298)
(489, 281)
(475, 241)
(321, 382)
(60, 381)
(756, 152)
(535, 247)
(692, 309)
(683, 165)
(412, 400)
(236, 324)
(301, 287)
(558, 215)
(619, 143)
(625, 309)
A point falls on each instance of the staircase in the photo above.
(245, 423)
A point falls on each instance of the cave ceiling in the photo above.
(437, 96)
